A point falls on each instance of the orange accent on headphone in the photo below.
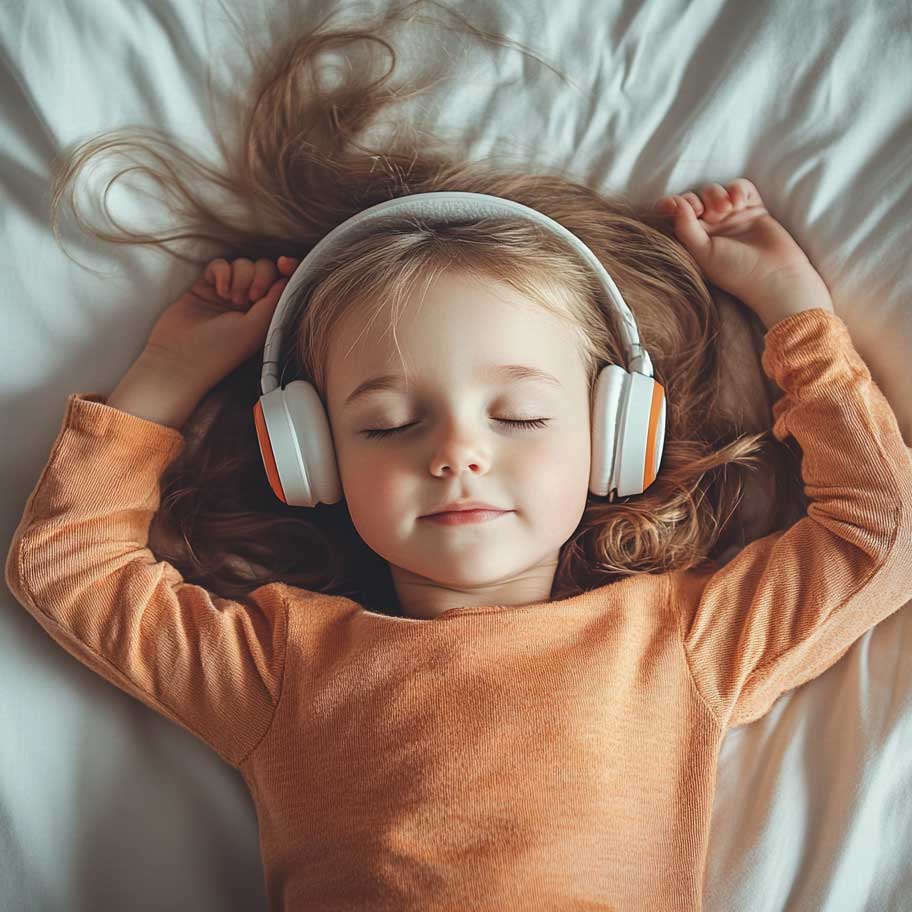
(272, 473)
(649, 472)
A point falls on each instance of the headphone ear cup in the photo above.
(628, 432)
(606, 409)
(296, 446)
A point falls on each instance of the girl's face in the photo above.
(457, 444)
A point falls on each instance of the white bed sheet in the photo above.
(106, 806)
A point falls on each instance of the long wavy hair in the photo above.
(304, 168)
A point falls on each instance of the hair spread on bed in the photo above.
(304, 168)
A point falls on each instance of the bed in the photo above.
(104, 805)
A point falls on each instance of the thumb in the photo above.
(262, 311)
(689, 230)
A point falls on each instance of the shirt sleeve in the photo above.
(80, 566)
(789, 605)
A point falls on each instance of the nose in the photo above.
(458, 452)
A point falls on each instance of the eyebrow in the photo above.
(509, 372)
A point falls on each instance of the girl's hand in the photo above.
(743, 250)
(220, 322)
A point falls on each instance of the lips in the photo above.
(461, 512)
(463, 517)
(466, 506)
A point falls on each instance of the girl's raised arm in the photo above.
(80, 564)
(790, 604)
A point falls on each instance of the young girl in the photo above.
(512, 732)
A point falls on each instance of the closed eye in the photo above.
(526, 425)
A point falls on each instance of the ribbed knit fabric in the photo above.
(557, 756)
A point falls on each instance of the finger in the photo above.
(695, 202)
(205, 290)
(717, 203)
(261, 311)
(287, 265)
(265, 273)
(242, 270)
(689, 229)
(218, 273)
(742, 191)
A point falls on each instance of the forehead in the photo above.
(453, 332)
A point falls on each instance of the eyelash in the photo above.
(528, 425)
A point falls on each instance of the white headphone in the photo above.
(628, 412)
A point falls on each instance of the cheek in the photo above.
(374, 487)
(556, 460)
(554, 477)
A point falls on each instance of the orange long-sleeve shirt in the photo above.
(557, 756)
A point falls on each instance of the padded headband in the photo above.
(448, 206)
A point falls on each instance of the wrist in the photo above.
(790, 293)
(149, 390)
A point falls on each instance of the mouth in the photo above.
(461, 517)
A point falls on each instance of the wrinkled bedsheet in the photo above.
(103, 805)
